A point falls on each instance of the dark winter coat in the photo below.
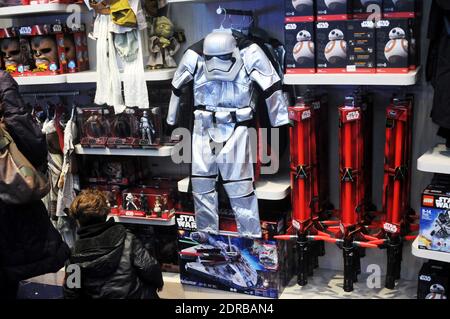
(29, 244)
(114, 265)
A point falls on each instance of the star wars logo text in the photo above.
(186, 222)
(443, 202)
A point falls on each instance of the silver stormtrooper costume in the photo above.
(224, 77)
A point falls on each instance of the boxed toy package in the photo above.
(94, 125)
(329, 10)
(16, 57)
(227, 262)
(299, 10)
(361, 46)
(434, 282)
(435, 218)
(299, 45)
(400, 8)
(363, 9)
(331, 47)
(393, 40)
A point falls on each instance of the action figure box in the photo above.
(363, 9)
(94, 126)
(361, 46)
(400, 8)
(330, 10)
(434, 281)
(435, 219)
(257, 267)
(117, 171)
(393, 39)
(299, 45)
(77, 55)
(147, 202)
(331, 47)
(299, 11)
(16, 56)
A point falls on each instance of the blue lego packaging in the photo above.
(435, 219)
(258, 267)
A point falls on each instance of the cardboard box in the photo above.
(393, 39)
(361, 46)
(330, 10)
(415, 44)
(400, 8)
(258, 267)
(363, 9)
(299, 10)
(434, 281)
(331, 47)
(435, 219)
(300, 48)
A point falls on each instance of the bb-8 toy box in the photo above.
(435, 219)
(331, 46)
(299, 45)
(299, 10)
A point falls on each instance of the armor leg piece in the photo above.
(206, 204)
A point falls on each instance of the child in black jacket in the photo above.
(113, 263)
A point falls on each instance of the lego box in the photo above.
(299, 45)
(435, 219)
(330, 10)
(331, 47)
(299, 10)
(258, 267)
(393, 41)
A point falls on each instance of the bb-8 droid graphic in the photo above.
(436, 292)
(336, 48)
(304, 49)
(397, 47)
(302, 5)
(365, 3)
(335, 4)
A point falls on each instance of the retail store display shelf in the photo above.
(41, 79)
(35, 9)
(403, 79)
(268, 188)
(91, 76)
(144, 221)
(436, 160)
(162, 151)
(429, 254)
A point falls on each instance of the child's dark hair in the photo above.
(90, 207)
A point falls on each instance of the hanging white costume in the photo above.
(223, 77)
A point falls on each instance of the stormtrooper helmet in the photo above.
(335, 35)
(303, 36)
(397, 33)
(145, 114)
(222, 57)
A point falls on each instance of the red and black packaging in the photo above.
(394, 9)
(76, 39)
(15, 52)
(124, 130)
(330, 10)
(331, 47)
(300, 47)
(94, 126)
(299, 11)
(393, 45)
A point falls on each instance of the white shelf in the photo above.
(402, 79)
(41, 79)
(268, 188)
(429, 254)
(162, 151)
(37, 9)
(143, 220)
(91, 76)
(436, 160)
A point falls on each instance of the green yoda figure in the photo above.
(163, 45)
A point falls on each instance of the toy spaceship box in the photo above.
(435, 219)
(258, 267)
(393, 45)
(299, 45)
(299, 10)
(434, 281)
(363, 9)
(94, 124)
(331, 47)
(330, 10)
(400, 8)
(361, 46)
